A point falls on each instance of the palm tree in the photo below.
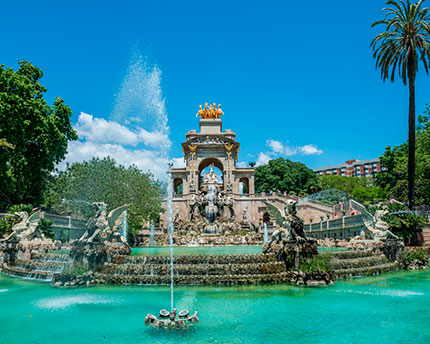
(405, 42)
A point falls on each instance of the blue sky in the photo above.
(295, 79)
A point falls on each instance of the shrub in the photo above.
(319, 262)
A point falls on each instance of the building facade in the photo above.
(354, 167)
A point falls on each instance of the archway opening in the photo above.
(178, 186)
(204, 168)
(243, 186)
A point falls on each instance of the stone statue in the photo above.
(289, 242)
(210, 113)
(26, 228)
(104, 228)
(379, 229)
(210, 177)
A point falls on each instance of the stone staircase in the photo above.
(195, 270)
(349, 264)
(41, 267)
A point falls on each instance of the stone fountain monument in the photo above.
(214, 200)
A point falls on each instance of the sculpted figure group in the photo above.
(210, 113)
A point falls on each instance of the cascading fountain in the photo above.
(211, 209)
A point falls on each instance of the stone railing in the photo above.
(343, 228)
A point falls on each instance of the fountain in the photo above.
(124, 225)
(168, 319)
(266, 235)
(151, 234)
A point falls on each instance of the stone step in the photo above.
(37, 265)
(41, 276)
(198, 259)
(51, 257)
(351, 254)
(365, 271)
(194, 280)
(194, 269)
(338, 264)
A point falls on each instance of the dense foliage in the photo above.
(285, 175)
(101, 180)
(395, 160)
(34, 135)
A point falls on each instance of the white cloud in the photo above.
(102, 131)
(277, 148)
(263, 159)
(145, 160)
(310, 150)
(100, 138)
(241, 164)
(178, 162)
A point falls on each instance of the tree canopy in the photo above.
(101, 180)
(395, 160)
(34, 135)
(285, 175)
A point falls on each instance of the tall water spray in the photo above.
(266, 235)
(151, 234)
(124, 225)
(171, 229)
(140, 105)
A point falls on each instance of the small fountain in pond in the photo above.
(168, 319)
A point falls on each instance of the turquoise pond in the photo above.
(392, 308)
(205, 250)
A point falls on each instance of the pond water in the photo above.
(206, 250)
(392, 308)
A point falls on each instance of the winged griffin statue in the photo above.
(26, 228)
(105, 228)
(288, 225)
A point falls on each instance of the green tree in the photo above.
(395, 160)
(37, 133)
(101, 180)
(405, 41)
(285, 175)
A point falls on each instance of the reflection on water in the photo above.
(393, 308)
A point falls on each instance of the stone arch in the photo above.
(266, 218)
(178, 186)
(244, 181)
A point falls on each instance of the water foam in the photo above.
(67, 301)
(383, 292)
